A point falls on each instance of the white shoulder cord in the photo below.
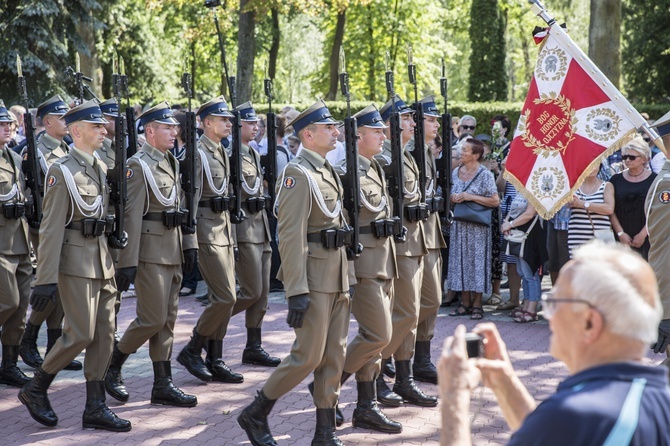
(376, 209)
(653, 195)
(314, 187)
(151, 182)
(257, 184)
(11, 194)
(43, 163)
(87, 210)
(429, 189)
(411, 194)
(208, 174)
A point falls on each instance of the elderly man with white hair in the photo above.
(603, 313)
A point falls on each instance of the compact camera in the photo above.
(474, 344)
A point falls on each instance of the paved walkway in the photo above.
(292, 421)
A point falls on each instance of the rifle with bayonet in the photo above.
(443, 164)
(419, 151)
(351, 181)
(187, 165)
(269, 161)
(116, 177)
(31, 165)
(79, 80)
(395, 172)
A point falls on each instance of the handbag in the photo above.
(472, 212)
(516, 240)
(605, 235)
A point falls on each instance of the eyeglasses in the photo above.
(468, 127)
(550, 304)
(629, 157)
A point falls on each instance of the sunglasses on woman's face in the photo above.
(629, 157)
(468, 127)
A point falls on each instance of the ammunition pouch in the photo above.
(90, 227)
(216, 204)
(110, 224)
(255, 204)
(171, 219)
(14, 211)
(332, 238)
(416, 213)
(435, 204)
(381, 228)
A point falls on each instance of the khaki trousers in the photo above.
(431, 296)
(253, 275)
(217, 266)
(16, 273)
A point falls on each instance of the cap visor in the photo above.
(168, 121)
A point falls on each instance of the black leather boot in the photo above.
(52, 336)
(191, 357)
(422, 369)
(325, 429)
(10, 374)
(34, 395)
(113, 379)
(255, 354)
(219, 370)
(165, 392)
(339, 416)
(407, 389)
(28, 349)
(368, 415)
(385, 395)
(387, 368)
(96, 413)
(254, 421)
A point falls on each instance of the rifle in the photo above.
(443, 164)
(131, 134)
(269, 161)
(419, 152)
(116, 177)
(30, 164)
(395, 172)
(187, 165)
(351, 181)
(79, 79)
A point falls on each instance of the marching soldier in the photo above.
(51, 147)
(153, 223)
(253, 243)
(17, 270)
(375, 270)
(74, 229)
(216, 248)
(431, 287)
(407, 286)
(314, 272)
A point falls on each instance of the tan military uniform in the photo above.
(431, 288)
(215, 243)
(310, 268)
(375, 270)
(409, 255)
(658, 225)
(155, 250)
(253, 242)
(82, 266)
(15, 263)
(51, 150)
(106, 153)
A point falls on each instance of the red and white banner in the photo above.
(572, 118)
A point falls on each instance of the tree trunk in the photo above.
(90, 65)
(372, 51)
(605, 38)
(335, 55)
(246, 51)
(274, 47)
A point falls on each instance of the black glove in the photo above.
(236, 254)
(42, 295)
(663, 337)
(190, 260)
(124, 277)
(351, 292)
(297, 307)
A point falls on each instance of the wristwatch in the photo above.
(587, 204)
(620, 233)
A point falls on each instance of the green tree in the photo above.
(488, 72)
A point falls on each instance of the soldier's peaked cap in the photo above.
(160, 113)
(89, 111)
(215, 107)
(318, 113)
(369, 117)
(5, 116)
(394, 103)
(110, 108)
(662, 125)
(247, 112)
(52, 106)
(429, 107)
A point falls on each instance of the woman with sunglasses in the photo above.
(630, 190)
